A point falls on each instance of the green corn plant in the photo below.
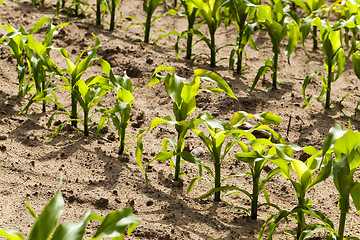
(75, 70)
(345, 161)
(214, 141)
(332, 38)
(45, 227)
(210, 11)
(190, 14)
(183, 94)
(239, 11)
(275, 19)
(124, 101)
(17, 40)
(313, 8)
(88, 94)
(40, 64)
(305, 178)
(112, 9)
(149, 7)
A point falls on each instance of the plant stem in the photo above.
(112, 19)
(213, 50)
(98, 12)
(147, 27)
(255, 196)
(122, 139)
(315, 41)
(330, 79)
(191, 21)
(43, 88)
(179, 144)
(275, 69)
(86, 122)
(217, 166)
(301, 217)
(73, 105)
(239, 63)
(341, 226)
(76, 8)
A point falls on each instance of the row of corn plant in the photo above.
(340, 148)
(255, 151)
(38, 75)
(278, 19)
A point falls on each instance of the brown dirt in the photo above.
(95, 177)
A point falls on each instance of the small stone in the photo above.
(149, 203)
(71, 198)
(2, 148)
(32, 163)
(21, 120)
(197, 152)
(35, 194)
(102, 203)
(149, 60)
(3, 137)
(115, 192)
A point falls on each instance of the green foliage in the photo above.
(18, 41)
(214, 141)
(149, 7)
(313, 8)
(112, 8)
(75, 70)
(183, 94)
(210, 11)
(239, 11)
(112, 226)
(124, 100)
(332, 38)
(275, 19)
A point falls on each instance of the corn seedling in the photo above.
(17, 40)
(88, 94)
(214, 141)
(239, 11)
(331, 37)
(149, 7)
(124, 100)
(183, 94)
(112, 226)
(276, 21)
(75, 71)
(302, 177)
(40, 64)
(190, 14)
(313, 8)
(111, 5)
(344, 157)
(210, 11)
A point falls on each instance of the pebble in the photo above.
(197, 152)
(102, 203)
(2, 148)
(3, 137)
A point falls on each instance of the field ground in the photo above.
(95, 177)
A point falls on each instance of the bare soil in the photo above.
(96, 177)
